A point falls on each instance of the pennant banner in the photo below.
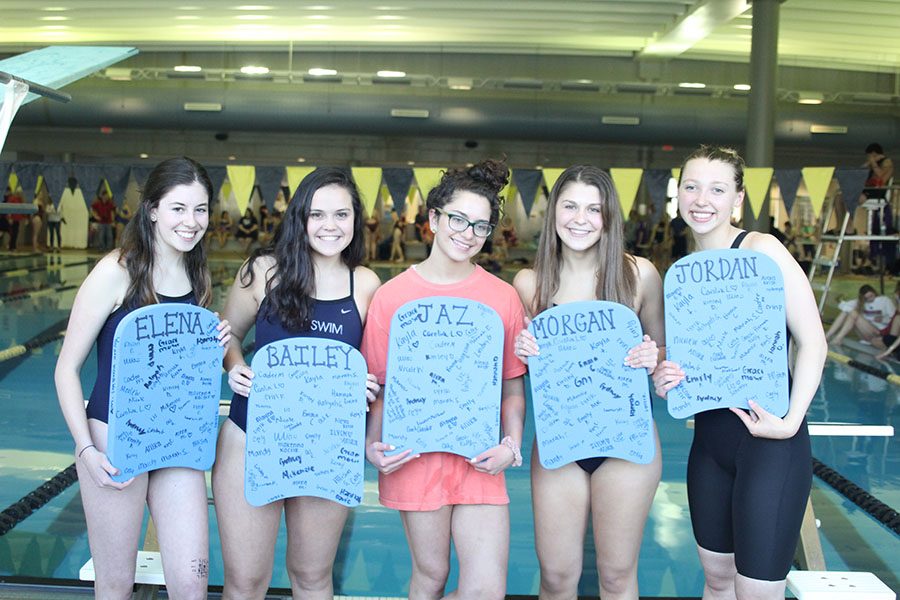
(269, 181)
(88, 177)
(217, 177)
(550, 177)
(28, 172)
(140, 174)
(55, 178)
(817, 180)
(242, 178)
(627, 182)
(398, 181)
(657, 182)
(756, 184)
(788, 182)
(5, 169)
(527, 181)
(368, 180)
(427, 179)
(852, 182)
(117, 178)
(295, 175)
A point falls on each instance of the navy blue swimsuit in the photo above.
(747, 495)
(331, 319)
(98, 406)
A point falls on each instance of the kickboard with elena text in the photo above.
(306, 422)
(164, 390)
(444, 373)
(587, 402)
(726, 328)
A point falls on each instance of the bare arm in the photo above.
(240, 310)
(102, 290)
(809, 338)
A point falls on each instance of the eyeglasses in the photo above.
(459, 224)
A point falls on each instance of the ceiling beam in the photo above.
(701, 20)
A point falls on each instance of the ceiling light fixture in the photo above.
(144, 155)
(203, 106)
(319, 72)
(54, 18)
(254, 70)
(810, 97)
(391, 74)
(409, 113)
(301, 159)
(742, 87)
(459, 83)
(692, 85)
(187, 68)
(55, 9)
(253, 7)
(619, 120)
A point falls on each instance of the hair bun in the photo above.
(494, 173)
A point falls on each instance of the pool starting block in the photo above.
(838, 585)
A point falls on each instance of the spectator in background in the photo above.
(14, 220)
(881, 171)
(397, 237)
(54, 226)
(37, 227)
(224, 226)
(870, 314)
(103, 212)
(679, 231)
(247, 230)
(372, 238)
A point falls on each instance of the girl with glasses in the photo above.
(446, 497)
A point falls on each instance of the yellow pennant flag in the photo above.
(427, 178)
(242, 178)
(817, 181)
(756, 183)
(295, 175)
(225, 190)
(13, 181)
(368, 180)
(627, 182)
(676, 173)
(550, 177)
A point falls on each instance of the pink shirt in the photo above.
(439, 479)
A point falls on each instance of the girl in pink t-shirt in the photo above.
(445, 497)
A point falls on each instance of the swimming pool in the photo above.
(373, 558)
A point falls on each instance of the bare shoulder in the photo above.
(366, 280)
(525, 281)
(109, 273)
(770, 246)
(645, 268)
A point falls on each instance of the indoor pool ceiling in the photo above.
(856, 35)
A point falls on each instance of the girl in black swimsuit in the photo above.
(749, 472)
(581, 256)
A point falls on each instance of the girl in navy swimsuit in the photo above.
(581, 256)
(749, 472)
(306, 282)
(160, 259)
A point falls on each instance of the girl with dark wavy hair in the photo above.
(749, 472)
(160, 259)
(446, 497)
(581, 256)
(306, 282)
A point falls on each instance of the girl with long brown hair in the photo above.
(159, 260)
(581, 256)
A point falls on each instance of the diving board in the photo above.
(41, 72)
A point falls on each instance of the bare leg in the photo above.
(114, 519)
(314, 528)
(621, 495)
(561, 499)
(428, 534)
(177, 499)
(719, 570)
(846, 327)
(247, 532)
(758, 589)
(481, 537)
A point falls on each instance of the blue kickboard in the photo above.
(587, 402)
(306, 422)
(444, 376)
(725, 326)
(164, 389)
